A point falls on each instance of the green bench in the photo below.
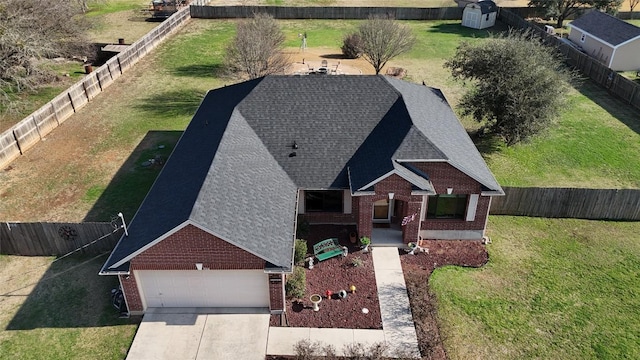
(326, 249)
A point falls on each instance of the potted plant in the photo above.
(365, 242)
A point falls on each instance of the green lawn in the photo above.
(59, 310)
(553, 289)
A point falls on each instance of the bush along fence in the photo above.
(594, 204)
(616, 84)
(19, 138)
(55, 239)
(318, 12)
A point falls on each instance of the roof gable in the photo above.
(606, 27)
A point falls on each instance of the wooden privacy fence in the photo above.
(22, 136)
(47, 239)
(596, 204)
(618, 85)
(320, 12)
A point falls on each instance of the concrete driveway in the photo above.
(197, 334)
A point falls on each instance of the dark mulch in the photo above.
(335, 274)
(417, 269)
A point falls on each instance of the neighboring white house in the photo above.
(614, 42)
(480, 15)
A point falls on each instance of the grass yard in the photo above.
(553, 289)
(59, 310)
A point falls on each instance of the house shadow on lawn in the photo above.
(619, 109)
(69, 295)
(130, 185)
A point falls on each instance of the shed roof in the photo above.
(606, 27)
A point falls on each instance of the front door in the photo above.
(382, 210)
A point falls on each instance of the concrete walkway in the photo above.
(397, 322)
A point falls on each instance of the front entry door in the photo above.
(382, 210)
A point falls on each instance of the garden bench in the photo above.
(326, 249)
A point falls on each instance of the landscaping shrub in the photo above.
(296, 283)
(300, 251)
(352, 46)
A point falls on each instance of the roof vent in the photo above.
(293, 154)
(294, 145)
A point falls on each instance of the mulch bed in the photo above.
(335, 274)
(418, 268)
(339, 273)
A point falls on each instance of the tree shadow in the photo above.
(486, 143)
(69, 295)
(334, 56)
(622, 111)
(172, 103)
(130, 185)
(467, 32)
(199, 70)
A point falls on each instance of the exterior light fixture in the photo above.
(449, 191)
(391, 195)
(199, 266)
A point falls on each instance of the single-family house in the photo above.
(614, 42)
(217, 227)
(480, 15)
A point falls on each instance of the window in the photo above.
(446, 206)
(583, 37)
(323, 201)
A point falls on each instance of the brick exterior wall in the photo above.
(276, 292)
(131, 295)
(181, 251)
(191, 245)
(443, 176)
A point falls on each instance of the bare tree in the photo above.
(632, 5)
(384, 38)
(32, 30)
(562, 9)
(256, 50)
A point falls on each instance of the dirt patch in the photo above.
(417, 269)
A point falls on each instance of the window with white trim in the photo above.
(446, 206)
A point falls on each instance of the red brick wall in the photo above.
(443, 176)
(130, 289)
(181, 251)
(276, 292)
(190, 245)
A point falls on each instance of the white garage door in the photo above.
(206, 288)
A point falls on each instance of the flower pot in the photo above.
(353, 237)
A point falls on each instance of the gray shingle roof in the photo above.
(232, 173)
(606, 27)
(487, 6)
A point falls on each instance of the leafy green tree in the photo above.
(256, 50)
(561, 9)
(382, 39)
(518, 85)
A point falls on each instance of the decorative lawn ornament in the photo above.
(328, 293)
(353, 289)
(342, 294)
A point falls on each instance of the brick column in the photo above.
(410, 232)
(365, 215)
(276, 292)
